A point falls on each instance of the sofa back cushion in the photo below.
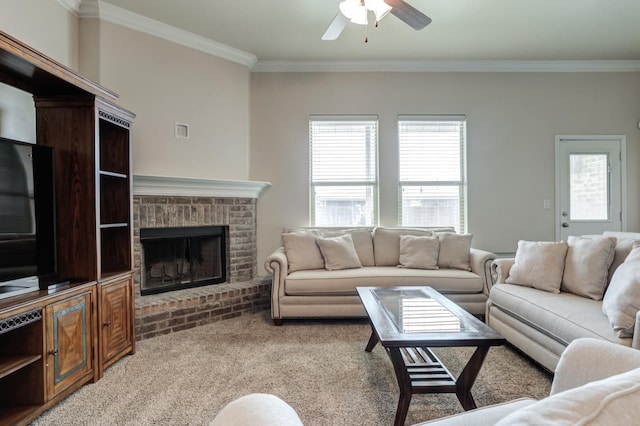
(622, 250)
(611, 401)
(362, 241)
(386, 243)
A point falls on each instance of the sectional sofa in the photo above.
(316, 271)
(553, 293)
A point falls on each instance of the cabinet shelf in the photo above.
(13, 415)
(114, 225)
(10, 364)
(113, 174)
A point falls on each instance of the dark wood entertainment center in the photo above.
(54, 341)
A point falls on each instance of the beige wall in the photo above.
(512, 119)
(45, 25)
(49, 28)
(164, 83)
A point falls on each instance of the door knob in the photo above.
(565, 225)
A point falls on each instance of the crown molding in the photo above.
(193, 187)
(447, 66)
(72, 6)
(116, 15)
(108, 12)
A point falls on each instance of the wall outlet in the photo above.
(546, 204)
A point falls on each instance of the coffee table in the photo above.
(407, 321)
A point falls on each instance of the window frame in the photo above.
(461, 184)
(373, 185)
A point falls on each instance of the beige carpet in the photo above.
(319, 367)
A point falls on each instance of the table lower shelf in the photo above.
(426, 372)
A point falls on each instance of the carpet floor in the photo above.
(319, 367)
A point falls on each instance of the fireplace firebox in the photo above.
(182, 257)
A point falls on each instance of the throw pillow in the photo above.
(455, 251)
(539, 264)
(339, 252)
(302, 251)
(419, 252)
(621, 302)
(611, 401)
(362, 240)
(586, 266)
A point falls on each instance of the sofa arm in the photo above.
(587, 359)
(257, 409)
(501, 267)
(480, 261)
(278, 266)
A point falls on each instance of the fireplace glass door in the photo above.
(177, 258)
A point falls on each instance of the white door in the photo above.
(590, 185)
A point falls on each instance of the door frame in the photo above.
(622, 139)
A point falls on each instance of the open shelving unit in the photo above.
(90, 135)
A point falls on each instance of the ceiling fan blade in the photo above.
(408, 14)
(335, 27)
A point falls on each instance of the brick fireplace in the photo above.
(172, 203)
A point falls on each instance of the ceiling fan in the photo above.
(357, 11)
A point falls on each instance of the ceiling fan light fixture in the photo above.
(360, 17)
(355, 10)
(378, 7)
(349, 8)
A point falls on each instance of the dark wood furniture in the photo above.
(407, 321)
(54, 341)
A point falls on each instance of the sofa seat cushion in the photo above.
(344, 282)
(563, 316)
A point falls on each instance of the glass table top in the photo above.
(416, 311)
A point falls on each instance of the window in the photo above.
(344, 170)
(432, 171)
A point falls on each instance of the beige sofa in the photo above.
(596, 383)
(542, 323)
(309, 283)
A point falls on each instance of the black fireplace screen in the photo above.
(178, 258)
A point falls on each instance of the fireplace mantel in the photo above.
(178, 186)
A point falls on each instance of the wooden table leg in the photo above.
(468, 377)
(373, 340)
(404, 384)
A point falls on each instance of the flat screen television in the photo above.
(27, 217)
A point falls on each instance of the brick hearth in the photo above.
(243, 290)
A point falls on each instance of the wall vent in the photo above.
(182, 131)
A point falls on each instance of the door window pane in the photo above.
(588, 187)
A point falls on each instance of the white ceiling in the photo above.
(462, 30)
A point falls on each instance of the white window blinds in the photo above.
(432, 171)
(344, 170)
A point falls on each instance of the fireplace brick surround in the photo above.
(243, 290)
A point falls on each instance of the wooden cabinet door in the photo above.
(69, 356)
(115, 319)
